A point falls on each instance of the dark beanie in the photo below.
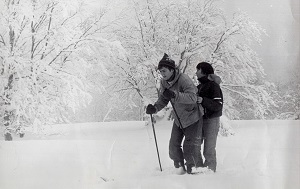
(166, 62)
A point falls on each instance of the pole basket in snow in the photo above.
(155, 141)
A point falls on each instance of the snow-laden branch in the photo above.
(2, 40)
(68, 47)
(141, 31)
(193, 31)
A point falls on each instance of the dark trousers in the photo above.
(191, 149)
(210, 134)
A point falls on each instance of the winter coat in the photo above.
(185, 102)
(211, 93)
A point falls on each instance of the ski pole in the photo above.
(180, 125)
(155, 142)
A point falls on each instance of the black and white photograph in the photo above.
(149, 94)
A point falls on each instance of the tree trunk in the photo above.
(8, 114)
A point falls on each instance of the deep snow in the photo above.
(115, 155)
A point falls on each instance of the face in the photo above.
(199, 73)
(166, 73)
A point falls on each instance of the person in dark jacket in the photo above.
(179, 89)
(211, 99)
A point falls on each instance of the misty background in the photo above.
(81, 61)
(280, 49)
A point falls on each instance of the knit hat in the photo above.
(166, 62)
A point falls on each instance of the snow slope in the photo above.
(115, 155)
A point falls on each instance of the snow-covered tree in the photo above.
(47, 50)
(288, 97)
(194, 31)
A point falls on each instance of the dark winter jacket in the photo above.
(209, 89)
(185, 102)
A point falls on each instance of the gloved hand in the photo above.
(199, 99)
(169, 94)
(150, 109)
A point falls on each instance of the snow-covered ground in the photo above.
(115, 155)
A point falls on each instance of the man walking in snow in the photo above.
(179, 89)
(211, 98)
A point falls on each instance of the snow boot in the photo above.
(189, 169)
(180, 168)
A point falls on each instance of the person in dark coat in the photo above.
(179, 89)
(211, 99)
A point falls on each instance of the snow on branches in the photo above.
(195, 31)
(42, 50)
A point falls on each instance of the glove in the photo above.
(150, 109)
(199, 99)
(169, 94)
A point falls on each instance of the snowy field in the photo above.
(122, 155)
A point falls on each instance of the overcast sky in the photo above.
(280, 18)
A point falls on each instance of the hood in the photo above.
(215, 78)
